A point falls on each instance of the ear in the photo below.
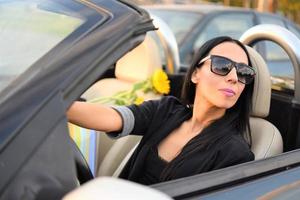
(195, 76)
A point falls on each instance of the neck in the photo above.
(203, 115)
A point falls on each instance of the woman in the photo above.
(204, 131)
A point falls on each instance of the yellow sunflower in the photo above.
(139, 100)
(161, 82)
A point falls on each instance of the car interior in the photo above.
(111, 154)
(135, 66)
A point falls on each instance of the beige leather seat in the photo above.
(266, 139)
(137, 65)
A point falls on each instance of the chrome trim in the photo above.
(169, 43)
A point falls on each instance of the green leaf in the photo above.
(138, 86)
(120, 102)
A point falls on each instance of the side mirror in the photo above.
(114, 189)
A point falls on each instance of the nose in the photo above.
(232, 76)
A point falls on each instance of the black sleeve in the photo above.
(135, 118)
(152, 113)
(143, 115)
(233, 152)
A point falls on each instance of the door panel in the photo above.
(40, 156)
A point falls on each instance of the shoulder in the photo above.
(159, 108)
(170, 105)
(165, 103)
(171, 101)
(236, 144)
(236, 141)
(234, 150)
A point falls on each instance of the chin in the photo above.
(226, 105)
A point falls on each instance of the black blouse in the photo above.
(155, 120)
(153, 167)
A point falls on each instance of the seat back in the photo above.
(137, 65)
(266, 139)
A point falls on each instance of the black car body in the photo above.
(35, 146)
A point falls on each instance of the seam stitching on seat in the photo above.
(269, 147)
(257, 85)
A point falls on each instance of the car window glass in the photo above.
(181, 23)
(265, 19)
(281, 70)
(294, 30)
(25, 36)
(233, 25)
(273, 51)
(279, 64)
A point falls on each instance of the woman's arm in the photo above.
(95, 116)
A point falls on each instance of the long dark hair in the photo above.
(235, 120)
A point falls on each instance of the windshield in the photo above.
(181, 23)
(27, 32)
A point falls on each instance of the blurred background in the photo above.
(287, 8)
(195, 21)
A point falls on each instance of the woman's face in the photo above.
(216, 90)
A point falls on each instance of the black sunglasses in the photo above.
(222, 66)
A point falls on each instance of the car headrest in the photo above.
(262, 85)
(140, 63)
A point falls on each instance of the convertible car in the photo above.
(56, 52)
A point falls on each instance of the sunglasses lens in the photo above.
(221, 66)
(245, 73)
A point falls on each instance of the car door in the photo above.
(36, 158)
